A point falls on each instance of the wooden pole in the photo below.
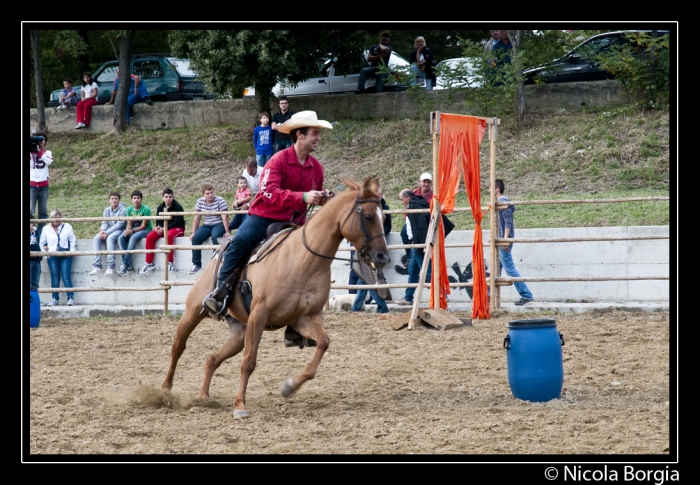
(427, 253)
(165, 270)
(496, 292)
(435, 128)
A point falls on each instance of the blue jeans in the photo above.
(40, 195)
(202, 233)
(60, 267)
(362, 295)
(262, 159)
(419, 73)
(129, 243)
(368, 73)
(111, 246)
(34, 273)
(237, 221)
(281, 145)
(414, 268)
(130, 102)
(352, 279)
(249, 235)
(506, 258)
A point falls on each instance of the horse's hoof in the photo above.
(286, 387)
(241, 414)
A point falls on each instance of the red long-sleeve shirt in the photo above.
(282, 185)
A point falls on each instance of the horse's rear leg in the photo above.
(312, 327)
(253, 333)
(189, 321)
(232, 346)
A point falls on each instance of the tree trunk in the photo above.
(518, 69)
(119, 121)
(651, 93)
(39, 84)
(84, 59)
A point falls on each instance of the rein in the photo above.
(361, 224)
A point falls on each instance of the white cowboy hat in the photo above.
(303, 119)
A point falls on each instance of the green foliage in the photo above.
(642, 67)
(67, 53)
(230, 60)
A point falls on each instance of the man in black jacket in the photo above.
(417, 224)
(417, 229)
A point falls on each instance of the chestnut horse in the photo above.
(290, 286)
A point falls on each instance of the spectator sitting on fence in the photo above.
(214, 226)
(251, 172)
(242, 202)
(109, 233)
(135, 230)
(59, 237)
(176, 228)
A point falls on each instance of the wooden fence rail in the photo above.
(165, 285)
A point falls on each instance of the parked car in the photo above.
(167, 78)
(579, 64)
(458, 72)
(330, 82)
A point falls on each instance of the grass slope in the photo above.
(591, 153)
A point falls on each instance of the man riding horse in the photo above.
(291, 180)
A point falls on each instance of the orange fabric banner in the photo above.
(460, 138)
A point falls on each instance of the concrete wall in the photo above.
(608, 258)
(225, 112)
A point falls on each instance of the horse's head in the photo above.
(364, 226)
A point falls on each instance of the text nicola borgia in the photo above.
(629, 474)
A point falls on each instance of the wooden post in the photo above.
(435, 128)
(427, 253)
(493, 230)
(166, 256)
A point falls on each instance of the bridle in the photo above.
(364, 250)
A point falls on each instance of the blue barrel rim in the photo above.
(534, 323)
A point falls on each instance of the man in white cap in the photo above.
(425, 190)
(290, 181)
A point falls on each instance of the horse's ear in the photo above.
(371, 184)
(350, 183)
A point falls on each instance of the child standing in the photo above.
(262, 139)
(68, 96)
(243, 198)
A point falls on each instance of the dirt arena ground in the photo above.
(94, 388)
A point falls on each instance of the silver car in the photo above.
(328, 82)
(457, 73)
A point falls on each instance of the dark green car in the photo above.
(167, 78)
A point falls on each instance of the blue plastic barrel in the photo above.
(34, 308)
(534, 355)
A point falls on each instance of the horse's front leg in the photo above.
(253, 333)
(232, 346)
(189, 321)
(311, 327)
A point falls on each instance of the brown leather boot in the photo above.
(224, 294)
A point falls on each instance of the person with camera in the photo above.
(59, 238)
(378, 55)
(39, 160)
